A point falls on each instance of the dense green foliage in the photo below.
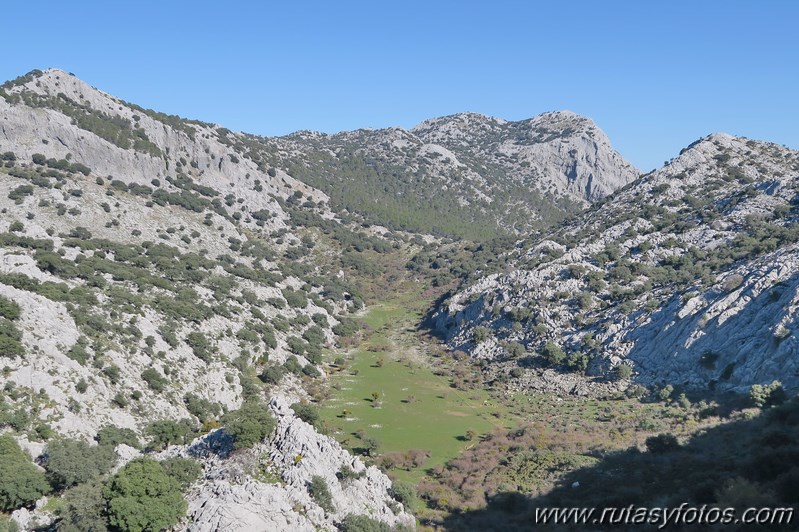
(71, 462)
(169, 432)
(199, 345)
(249, 425)
(6, 524)
(768, 394)
(9, 309)
(143, 497)
(404, 492)
(10, 336)
(10, 340)
(21, 482)
(306, 412)
(294, 298)
(363, 523)
(111, 436)
(84, 509)
(154, 379)
(553, 353)
(203, 409)
(184, 470)
(394, 195)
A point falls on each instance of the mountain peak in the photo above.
(56, 73)
(716, 149)
(467, 124)
(44, 80)
(563, 117)
(456, 125)
(563, 114)
(558, 151)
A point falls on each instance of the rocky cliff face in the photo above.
(688, 276)
(561, 152)
(296, 454)
(56, 114)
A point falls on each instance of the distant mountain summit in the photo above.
(463, 175)
(560, 150)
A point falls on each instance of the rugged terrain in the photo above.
(176, 291)
(687, 276)
(154, 274)
(465, 175)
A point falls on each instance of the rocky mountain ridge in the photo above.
(462, 175)
(687, 276)
(155, 275)
(155, 146)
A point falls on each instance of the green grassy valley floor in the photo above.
(416, 408)
(456, 445)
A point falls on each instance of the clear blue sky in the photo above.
(654, 75)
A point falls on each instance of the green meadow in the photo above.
(416, 409)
